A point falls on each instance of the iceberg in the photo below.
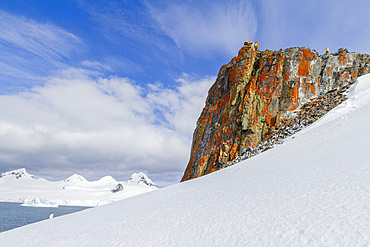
(33, 201)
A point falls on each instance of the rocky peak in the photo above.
(258, 94)
(19, 173)
(118, 188)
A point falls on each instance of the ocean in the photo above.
(13, 215)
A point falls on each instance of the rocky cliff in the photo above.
(260, 97)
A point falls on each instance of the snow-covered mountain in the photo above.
(17, 174)
(75, 178)
(313, 190)
(141, 179)
(20, 186)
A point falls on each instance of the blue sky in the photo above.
(115, 87)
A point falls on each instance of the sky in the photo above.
(114, 87)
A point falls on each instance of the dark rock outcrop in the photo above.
(118, 188)
(261, 96)
(19, 173)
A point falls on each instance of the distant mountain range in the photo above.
(20, 186)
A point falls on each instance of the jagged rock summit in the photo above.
(17, 174)
(260, 97)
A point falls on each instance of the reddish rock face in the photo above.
(259, 90)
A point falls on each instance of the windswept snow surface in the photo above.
(19, 186)
(313, 190)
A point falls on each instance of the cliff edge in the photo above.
(260, 97)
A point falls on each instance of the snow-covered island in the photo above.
(313, 190)
(21, 187)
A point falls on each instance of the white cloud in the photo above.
(82, 122)
(44, 40)
(94, 65)
(137, 40)
(207, 27)
(182, 106)
(31, 49)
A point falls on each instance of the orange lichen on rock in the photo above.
(342, 59)
(329, 71)
(256, 93)
(304, 63)
(234, 151)
(293, 103)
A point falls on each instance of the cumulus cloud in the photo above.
(83, 122)
(204, 27)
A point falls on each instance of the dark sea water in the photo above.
(13, 215)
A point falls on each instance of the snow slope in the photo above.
(313, 190)
(20, 186)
